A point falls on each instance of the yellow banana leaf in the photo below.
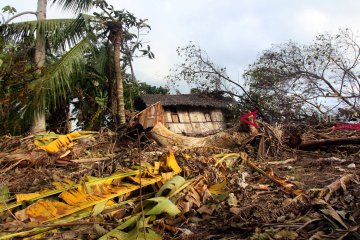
(218, 188)
(90, 197)
(78, 199)
(27, 196)
(62, 142)
(224, 157)
(42, 194)
(45, 209)
(41, 230)
(171, 162)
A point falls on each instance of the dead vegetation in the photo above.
(279, 182)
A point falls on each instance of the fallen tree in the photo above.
(329, 142)
(227, 139)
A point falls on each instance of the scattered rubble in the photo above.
(265, 186)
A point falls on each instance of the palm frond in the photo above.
(102, 60)
(72, 33)
(20, 30)
(75, 6)
(57, 80)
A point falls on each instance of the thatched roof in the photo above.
(190, 100)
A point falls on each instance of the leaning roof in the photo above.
(192, 100)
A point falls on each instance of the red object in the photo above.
(245, 119)
(346, 126)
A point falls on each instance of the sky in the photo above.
(232, 32)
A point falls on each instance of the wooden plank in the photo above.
(163, 117)
(152, 111)
(144, 124)
(151, 115)
(197, 117)
(189, 128)
(207, 116)
(192, 127)
(177, 128)
(217, 126)
(206, 127)
(175, 118)
(196, 127)
(217, 115)
(168, 117)
(184, 117)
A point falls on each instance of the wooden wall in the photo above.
(189, 121)
(194, 120)
(150, 116)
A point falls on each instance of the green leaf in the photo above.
(163, 205)
(9, 9)
(115, 234)
(4, 194)
(131, 222)
(171, 186)
(286, 234)
(75, 6)
(19, 30)
(98, 208)
(57, 81)
(99, 230)
(136, 233)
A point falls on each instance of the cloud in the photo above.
(233, 32)
(311, 21)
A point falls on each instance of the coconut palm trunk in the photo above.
(119, 79)
(39, 118)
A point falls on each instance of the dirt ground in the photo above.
(281, 193)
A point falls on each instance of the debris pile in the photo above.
(273, 183)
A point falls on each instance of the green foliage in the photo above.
(266, 235)
(133, 88)
(134, 227)
(67, 42)
(75, 6)
(79, 66)
(292, 80)
(15, 73)
(9, 9)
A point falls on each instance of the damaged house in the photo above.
(188, 114)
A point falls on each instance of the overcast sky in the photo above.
(233, 32)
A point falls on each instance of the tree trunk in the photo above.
(39, 118)
(134, 82)
(226, 139)
(112, 102)
(329, 142)
(119, 80)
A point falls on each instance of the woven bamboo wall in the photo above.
(182, 120)
(195, 121)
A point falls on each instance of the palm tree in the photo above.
(39, 123)
(57, 34)
(118, 25)
(68, 41)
